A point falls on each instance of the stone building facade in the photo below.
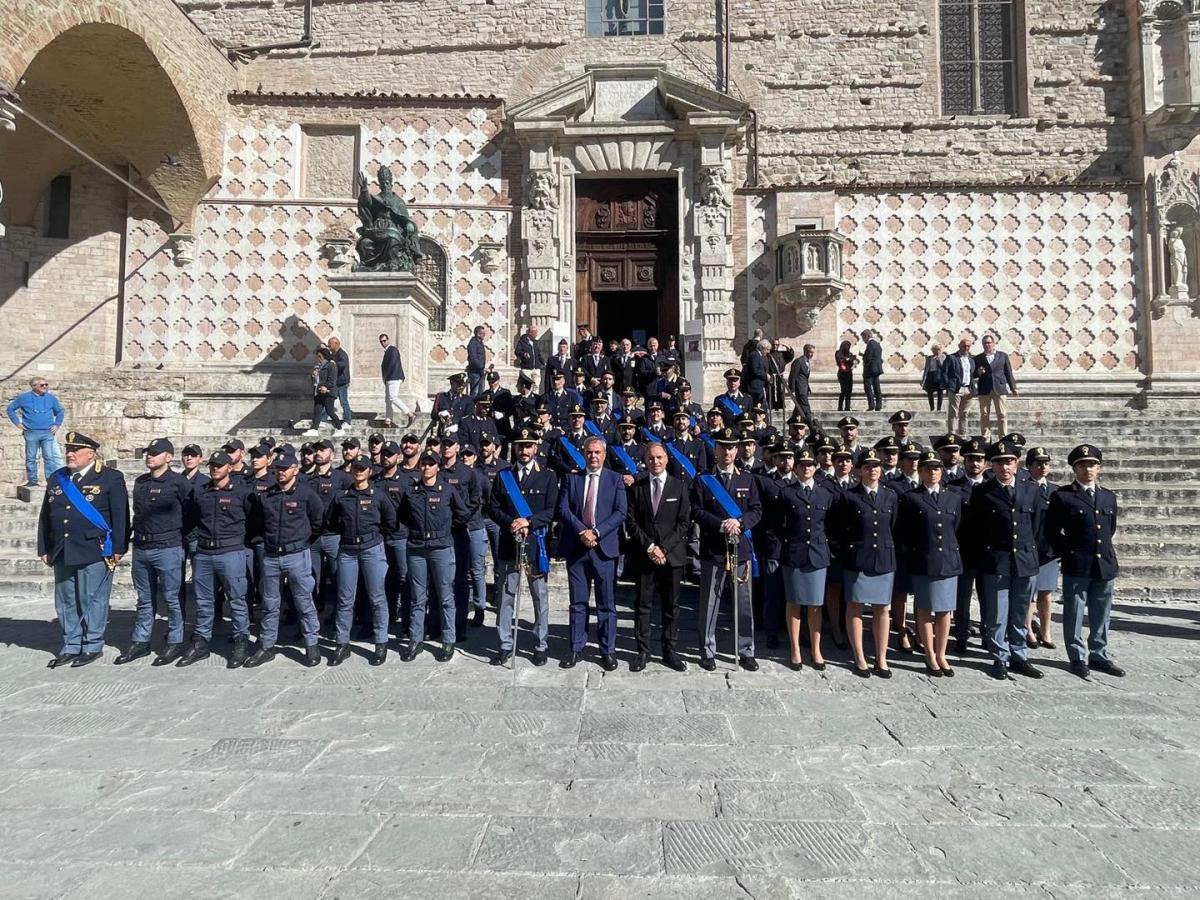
(924, 168)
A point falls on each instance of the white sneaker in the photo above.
(301, 424)
(340, 432)
(312, 432)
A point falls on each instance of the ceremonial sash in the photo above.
(731, 406)
(89, 512)
(731, 509)
(572, 452)
(521, 505)
(593, 428)
(650, 435)
(708, 439)
(624, 459)
(684, 463)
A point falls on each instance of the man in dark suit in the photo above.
(994, 380)
(476, 361)
(529, 355)
(591, 508)
(798, 377)
(595, 364)
(754, 374)
(561, 361)
(660, 516)
(872, 369)
(624, 366)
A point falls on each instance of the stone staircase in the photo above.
(1152, 462)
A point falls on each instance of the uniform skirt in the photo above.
(804, 588)
(870, 590)
(937, 595)
(1047, 576)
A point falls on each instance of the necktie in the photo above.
(1091, 496)
(521, 475)
(1008, 490)
(655, 494)
(807, 492)
(728, 479)
(589, 502)
(76, 476)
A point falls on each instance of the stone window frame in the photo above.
(976, 60)
(309, 128)
(648, 16)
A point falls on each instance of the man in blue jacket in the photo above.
(476, 361)
(872, 369)
(38, 414)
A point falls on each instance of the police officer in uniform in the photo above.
(477, 535)
(160, 496)
(1082, 520)
(361, 516)
(82, 553)
(733, 395)
(901, 422)
(1037, 463)
(452, 406)
(461, 477)
(287, 518)
(473, 427)
(540, 490)
(559, 400)
(393, 479)
(193, 459)
(974, 460)
(327, 482)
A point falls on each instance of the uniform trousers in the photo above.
(431, 576)
(81, 595)
(324, 561)
(773, 598)
(587, 571)
(392, 400)
(462, 579)
(190, 544)
(297, 568)
(373, 564)
(157, 573)
(969, 579)
(396, 550)
(713, 579)
(493, 539)
(507, 577)
(1095, 595)
(229, 571)
(873, 392)
(661, 582)
(477, 567)
(1005, 612)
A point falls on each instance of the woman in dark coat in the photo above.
(931, 378)
(846, 361)
(324, 390)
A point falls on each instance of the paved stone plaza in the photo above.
(461, 780)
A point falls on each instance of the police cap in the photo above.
(868, 457)
(899, 416)
(1002, 450)
(526, 436)
(193, 450)
(391, 448)
(351, 442)
(219, 458)
(286, 461)
(726, 437)
(847, 422)
(157, 446)
(1036, 454)
(233, 444)
(732, 373)
(1085, 453)
(930, 459)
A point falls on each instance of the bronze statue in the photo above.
(388, 239)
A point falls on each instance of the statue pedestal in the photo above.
(398, 304)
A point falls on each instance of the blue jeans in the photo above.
(344, 399)
(373, 562)
(1095, 595)
(324, 556)
(507, 578)
(462, 578)
(431, 571)
(51, 459)
(477, 574)
(81, 600)
(1006, 603)
(229, 571)
(157, 575)
(297, 567)
(493, 539)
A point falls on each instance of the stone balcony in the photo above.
(808, 272)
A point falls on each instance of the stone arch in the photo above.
(131, 82)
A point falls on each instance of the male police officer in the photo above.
(159, 498)
(83, 531)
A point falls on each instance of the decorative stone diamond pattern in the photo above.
(260, 162)
(760, 272)
(439, 156)
(1050, 272)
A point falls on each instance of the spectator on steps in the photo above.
(38, 414)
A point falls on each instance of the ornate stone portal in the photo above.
(1175, 194)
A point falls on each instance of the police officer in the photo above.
(1082, 520)
(83, 544)
(362, 515)
(452, 406)
(901, 422)
(733, 404)
(690, 446)
(726, 551)
(327, 482)
(193, 459)
(461, 477)
(1002, 519)
(490, 463)
(478, 540)
(848, 426)
(974, 461)
(429, 509)
(473, 427)
(218, 512)
(392, 479)
(236, 449)
(287, 517)
(261, 479)
(160, 496)
(1037, 463)
(560, 458)
(948, 446)
(539, 487)
(903, 480)
(558, 399)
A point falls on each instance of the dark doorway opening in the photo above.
(627, 270)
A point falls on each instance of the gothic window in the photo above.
(978, 57)
(624, 18)
(432, 270)
(58, 208)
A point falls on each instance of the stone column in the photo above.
(8, 122)
(540, 227)
(714, 235)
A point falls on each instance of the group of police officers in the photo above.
(802, 529)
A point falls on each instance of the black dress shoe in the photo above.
(933, 671)
(1049, 645)
(1024, 667)
(639, 662)
(708, 663)
(672, 661)
(795, 665)
(445, 652)
(960, 645)
(84, 659)
(819, 666)
(881, 673)
(262, 656)
(749, 663)
(379, 657)
(136, 650)
(568, 661)
(195, 653)
(241, 649)
(1080, 669)
(947, 673)
(476, 618)
(999, 671)
(861, 673)
(1032, 642)
(409, 653)
(1108, 667)
(312, 656)
(608, 662)
(340, 654)
(539, 658)
(170, 655)
(502, 658)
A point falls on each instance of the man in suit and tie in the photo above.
(529, 355)
(476, 361)
(624, 366)
(754, 374)
(595, 364)
(591, 508)
(872, 369)
(660, 515)
(559, 362)
(994, 378)
(798, 377)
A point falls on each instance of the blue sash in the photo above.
(572, 452)
(650, 435)
(624, 459)
(682, 460)
(89, 512)
(731, 509)
(592, 428)
(521, 505)
(731, 406)
(708, 439)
